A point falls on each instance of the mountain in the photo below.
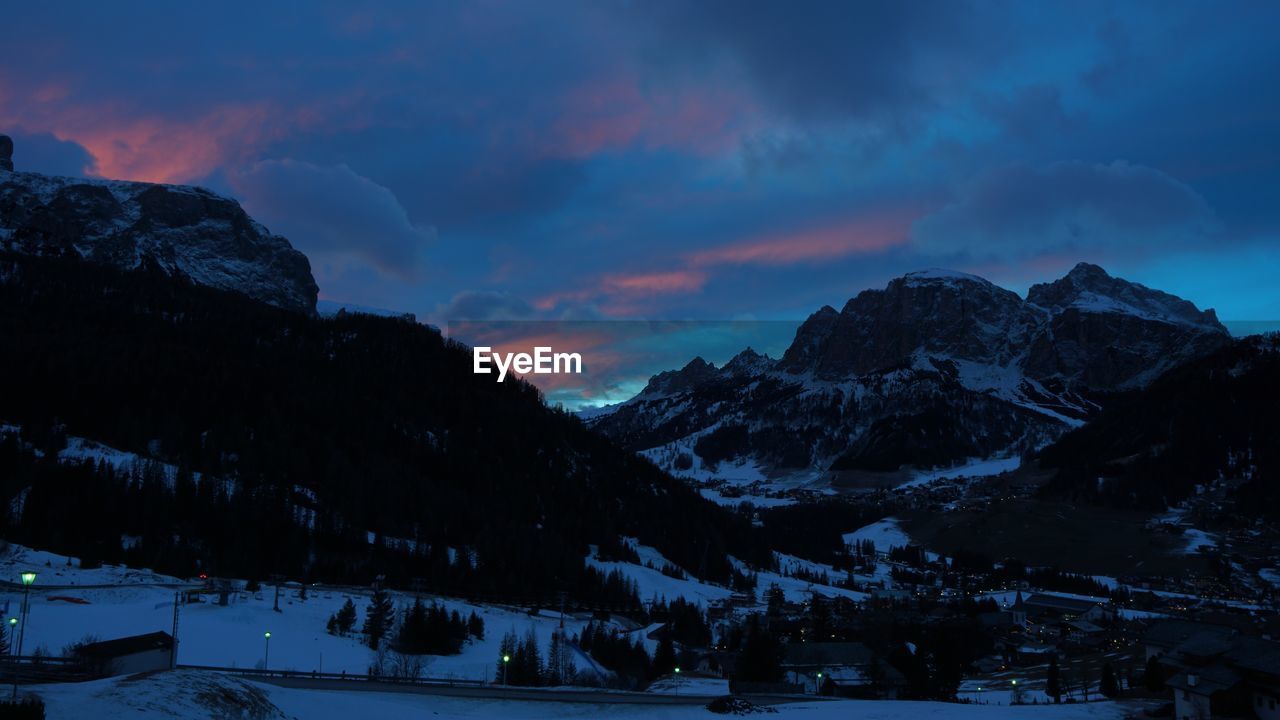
(331, 448)
(188, 232)
(1207, 427)
(936, 368)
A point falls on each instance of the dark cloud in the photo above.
(880, 61)
(483, 305)
(1021, 211)
(334, 212)
(44, 153)
(1031, 113)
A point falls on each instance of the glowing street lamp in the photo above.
(28, 578)
(266, 653)
(505, 660)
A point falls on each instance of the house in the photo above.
(1216, 674)
(1083, 632)
(845, 669)
(128, 655)
(1040, 607)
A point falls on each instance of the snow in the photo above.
(1271, 575)
(201, 695)
(941, 274)
(883, 534)
(118, 602)
(653, 584)
(974, 467)
(79, 449)
(1197, 539)
(799, 590)
(685, 685)
(330, 308)
(595, 412)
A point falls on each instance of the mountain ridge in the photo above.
(935, 353)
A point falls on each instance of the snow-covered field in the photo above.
(193, 695)
(884, 534)
(976, 467)
(111, 602)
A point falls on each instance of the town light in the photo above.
(677, 671)
(28, 577)
(266, 635)
(506, 658)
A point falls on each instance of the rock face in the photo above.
(935, 312)
(6, 153)
(1109, 333)
(935, 368)
(185, 231)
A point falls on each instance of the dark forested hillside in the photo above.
(292, 438)
(1214, 420)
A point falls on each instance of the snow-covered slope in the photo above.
(184, 231)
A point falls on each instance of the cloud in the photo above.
(1031, 112)
(824, 61)
(856, 237)
(482, 305)
(1021, 211)
(45, 153)
(334, 213)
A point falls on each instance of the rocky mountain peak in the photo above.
(185, 231)
(748, 362)
(938, 312)
(1090, 289)
(673, 381)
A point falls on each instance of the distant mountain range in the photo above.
(936, 368)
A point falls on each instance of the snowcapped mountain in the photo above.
(935, 368)
(184, 231)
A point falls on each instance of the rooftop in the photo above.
(128, 645)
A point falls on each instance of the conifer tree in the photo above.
(378, 618)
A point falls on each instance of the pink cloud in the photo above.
(616, 113)
(152, 148)
(620, 290)
(856, 237)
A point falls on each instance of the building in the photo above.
(129, 655)
(844, 669)
(1214, 671)
(1040, 607)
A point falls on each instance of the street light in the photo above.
(505, 659)
(817, 685)
(266, 653)
(28, 578)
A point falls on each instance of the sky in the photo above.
(708, 160)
